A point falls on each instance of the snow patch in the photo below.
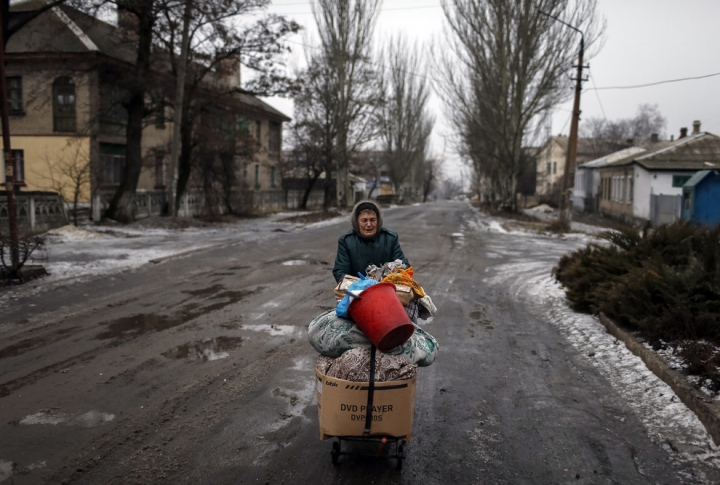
(54, 417)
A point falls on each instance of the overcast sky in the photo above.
(645, 42)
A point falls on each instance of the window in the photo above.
(14, 92)
(112, 163)
(19, 156)
(245, 172)
(272, 177)
(159, 169)
(274, 137)
(631, 187)
(549, 168)
(64, 119)
(554, 167)
(257, 176)
(242, 125)
(679, 180)
(258, 132)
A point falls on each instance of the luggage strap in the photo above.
(371, 391)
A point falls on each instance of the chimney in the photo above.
(696, 127)
(683, 133)
(654, 138)
(228, 71)
(127, 23)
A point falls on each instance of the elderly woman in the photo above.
(368, 243)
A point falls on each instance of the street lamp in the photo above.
(570, 160)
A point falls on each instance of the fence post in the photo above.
(32, 212)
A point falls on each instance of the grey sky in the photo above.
(645, 42)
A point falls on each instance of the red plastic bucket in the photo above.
(382, 318)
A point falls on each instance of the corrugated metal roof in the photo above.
(695, 152)
(697, 177)
(619, 155)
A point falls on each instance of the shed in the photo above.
(701, 198)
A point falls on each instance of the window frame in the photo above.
(64, 122)
(19, 171)
(19, 98)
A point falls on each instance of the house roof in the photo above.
(695, 152)
(67, 30)
(696, 178)
(619, 155)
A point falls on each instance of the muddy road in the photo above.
(197, 370)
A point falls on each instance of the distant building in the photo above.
(587, 179)
(647, 187)
(550, 161)
(63, 74)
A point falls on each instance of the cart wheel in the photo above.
(400, 456)
(335, 453)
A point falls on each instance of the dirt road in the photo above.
(197, 370)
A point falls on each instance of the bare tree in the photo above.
(346, 29)
(145, 14)
(430, 175)
(404, 119)
(509, 69)
(219, 45)
(70, 173)
(612, 135)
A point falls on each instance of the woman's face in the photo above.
(367, 221)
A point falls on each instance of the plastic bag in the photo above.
(357, 287)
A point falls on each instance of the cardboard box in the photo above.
(342, 405)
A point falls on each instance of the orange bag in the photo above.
(405, 277)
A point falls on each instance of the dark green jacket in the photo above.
(356, 253)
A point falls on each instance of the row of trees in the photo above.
(509, 67)
(352, 97)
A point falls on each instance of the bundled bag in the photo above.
(331, 336)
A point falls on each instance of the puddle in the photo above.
(140, 324)
(295, 262)
(54, 417)
(458, 240)
(273, 330)
(32, 343)
(206, 350)
(33, 466)
(148, 322)
(271, 304)
(6, 470)
(205, 291)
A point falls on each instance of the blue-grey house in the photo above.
(701, 198)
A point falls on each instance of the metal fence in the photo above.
(664, 209)
(37, 211)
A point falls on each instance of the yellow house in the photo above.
(67, 121)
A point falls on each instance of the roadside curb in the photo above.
(707, 410)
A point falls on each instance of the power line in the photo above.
(592, 79)
(635, 86)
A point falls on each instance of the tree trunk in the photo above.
(184, 162)
(308, 190)
(121, 205)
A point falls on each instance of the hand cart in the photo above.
(369, 412)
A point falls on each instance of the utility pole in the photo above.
(178, 108)
(566, 203)
(9, 161)
(568, 180)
